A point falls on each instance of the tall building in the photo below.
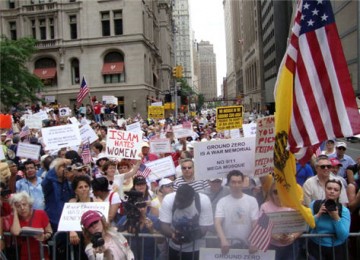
(207, 60)
(123, 48)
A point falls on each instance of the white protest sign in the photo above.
(31, 151)
(121, 121)
(49, 99)
(287, 222)
(64, 111)
(123, 144)
(215, 254)
(34, 122)
(74, 121)
(157, 104)
(264, 150)
(42, 114)
(235, 133)
(87, 133)
(2, 155)
(160, 145)
(249, 129)
(217, 158)
(135, 127)
(72, 212)
(161, 168)
(180, 131)
(110, 100)
(57, 137)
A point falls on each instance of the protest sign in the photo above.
(88, 134)
(74, 121)
(229, 117)
(64, 111)
(181, 131)
(215, 254)
(72, 212)
(49, 99)
(110, 100)
(135, 127)
(160, 145)
(123, 144)
(264, 146)
(25, 150)
(57, 137)
(42, 114)
(156, 112)
(120, 122)
(249, 129)
(161, 168)
(34, 122)
(157, 104)
(2, 155)
(287, 222)
(221, 156)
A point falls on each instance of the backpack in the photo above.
(318, 203)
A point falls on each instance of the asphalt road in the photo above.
(353, 149)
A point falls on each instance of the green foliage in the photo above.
(17, 84)
(200, 102)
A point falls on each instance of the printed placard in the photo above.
(156, 112)
(215, 254)
(161, 168)
(64, 111)
(264, 150)
(87, 133)
(221, 156)
(135, 127)
(57, 137)
(287, 222)
(123, 144)
(34, 122)
(181, 131)
(160, 145)
(72, 212)
(31, 151)
(230, 117)
(249, 129)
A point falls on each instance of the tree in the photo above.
(200, 102)
(17, 84)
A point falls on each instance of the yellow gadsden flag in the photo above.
(284, 160)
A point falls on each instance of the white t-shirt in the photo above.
(205, 218)
(238, 215)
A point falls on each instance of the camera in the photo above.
(97, 240)
(187, 230)
(131, 205)
(330, 205)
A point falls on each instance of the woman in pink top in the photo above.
(284, 244)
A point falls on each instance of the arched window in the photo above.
(45, 69)
(75, 71)
(113, 68)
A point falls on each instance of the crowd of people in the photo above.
(182, 209)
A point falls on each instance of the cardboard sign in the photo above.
(160, 145)
(230, 117)
(215, 254)
(135, 127)
(72, 212)
(34, 122)
(57, 137)
(161, 168)
(123, 144)
(64, 111)
(87, 133)
(180, 131)
(219, 157)
(287, 222)
(31, 151)
(156, 112)
(249, 129)
(264, 150)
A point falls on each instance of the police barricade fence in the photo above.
(152, 246)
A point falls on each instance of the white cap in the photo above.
(165, 181)
(341, 144)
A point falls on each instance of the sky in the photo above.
(207, 20)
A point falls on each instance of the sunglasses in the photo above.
(341, 148)
(275, 192)
(325, 166)
(186, 168)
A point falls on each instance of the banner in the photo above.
(264, 150)
(221, 156)
(160, 145)
(31, 151)
(57, 137)
(88, 134)
(156, 112)
(215, 254)
(123, 144)
(161, 168)
(230, 117)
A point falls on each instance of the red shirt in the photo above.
(97, 109)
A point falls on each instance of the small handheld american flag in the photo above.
(143, 170)
(86, 154)
(261, 235)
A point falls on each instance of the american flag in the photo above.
(9, 134)
(261, 235)
(84, 90)
(24, 131)
(143, 170)
(85, 153)
(324, 104)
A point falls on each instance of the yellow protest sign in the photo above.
(156, 112)
(170, 105)
(228, 118)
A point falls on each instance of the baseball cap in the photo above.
(341, 144)
(138, 180)
(90, 217)
(145, 144)
(335, 162)
(73, 156)
(216, 179)
(165, 181)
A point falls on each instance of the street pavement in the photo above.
(353, 149)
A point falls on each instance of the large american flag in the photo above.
(324, 105)
(84, 90)
(261, 235)
(143, 170)
(86, 153)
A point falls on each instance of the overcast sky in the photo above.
(207, 20)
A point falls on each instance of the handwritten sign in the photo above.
(161, 168)
(34, 122)
(230, 117)
(215, 254)
(123, 144)
(87, 133)
(31, 151)
(221, 156)
(160, 145)
(156, 112)
(264, 150)
(57, 137)
(249, 129)
(287, 222)
(72, 212)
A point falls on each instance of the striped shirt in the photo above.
(199, 185)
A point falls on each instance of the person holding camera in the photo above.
(330, 218)
(102, 241)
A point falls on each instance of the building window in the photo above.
(45, 69)
(75, 72)
(113, 68)
(33, 28)
(73, 27)
(11, 4)
(105, 23)
(118, 23)
(52, 29)
(13, 34)
(42, 26)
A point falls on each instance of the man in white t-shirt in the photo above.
(184, 215)
(235, 215)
